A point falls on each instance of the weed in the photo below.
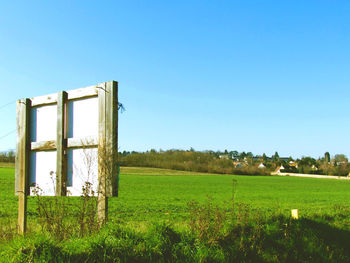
(207, 220)
(53, 214)
(87, 211)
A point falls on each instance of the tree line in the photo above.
(234, 162)
(226, 162)
(7, 157)
(191, 160)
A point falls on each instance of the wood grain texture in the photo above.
(107, 146)
(112, 137)
(86, 142)
(102, 199)
(43, 145)
(91, 91)
(22, 160)
(44, 100)
(61, 144)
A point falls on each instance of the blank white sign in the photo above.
(83, 118)
(43, 171)
(82, 167)
(43, 123)
(82, 123)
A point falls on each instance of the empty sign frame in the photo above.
(65, 140)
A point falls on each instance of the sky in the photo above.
(258, 76)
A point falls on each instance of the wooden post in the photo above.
(102, 199)
(112, 137)
(22, 159)
(107, 147)
(61, 144)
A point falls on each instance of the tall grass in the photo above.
(222, 235)
(211, 230)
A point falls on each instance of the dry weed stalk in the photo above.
(107, 181)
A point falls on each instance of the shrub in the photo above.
(188, 161)
(55, 217)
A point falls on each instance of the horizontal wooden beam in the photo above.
(91, 91)
(83, 92)
(44, 100)
(43, 146)
(86, 142)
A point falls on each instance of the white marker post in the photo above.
(295, 213)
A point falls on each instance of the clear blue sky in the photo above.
(259, 76)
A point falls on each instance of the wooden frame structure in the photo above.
(106, 142)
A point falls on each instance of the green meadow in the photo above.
(147, 194)
(151, 199)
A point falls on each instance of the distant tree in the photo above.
(307, 161)
(264, 157)
(234, 153)
(242, 155)
(250, 154)
(7, 156)
(226, 152)
(275, 157)
(327, 157)
(340, 158)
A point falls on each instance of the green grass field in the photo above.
(148, 194)
(150, 197)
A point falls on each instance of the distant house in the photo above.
(261, 166)
(235, 158)
(279, 169)
(224, 156)
(341, 163)
(293, 164)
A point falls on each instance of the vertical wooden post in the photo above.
(102, 199)
(112, 136)
(61, 142)
(107, 147)
(22, 159)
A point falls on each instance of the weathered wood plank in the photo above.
(86, 142)
(61, 144)
(43, 145)
(22, 160)
(102, 200)
(111, 137)
(44, 100)
(91, 91)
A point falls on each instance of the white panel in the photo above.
(82, 167)
(44, 166)
(43, 123)
(83, 118)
